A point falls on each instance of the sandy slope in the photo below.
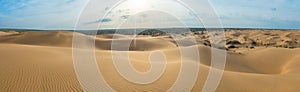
(42, 61)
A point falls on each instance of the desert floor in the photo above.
(257, 61)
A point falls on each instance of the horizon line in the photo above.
(69, 29)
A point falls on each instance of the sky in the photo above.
(64, 14)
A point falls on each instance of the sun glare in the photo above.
(137, 4)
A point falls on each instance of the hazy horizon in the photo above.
(266, 28)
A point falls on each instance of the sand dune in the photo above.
(55, 38)
(42, 61)
(64, 39)
(268, 38)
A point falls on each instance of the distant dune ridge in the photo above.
(257, 61)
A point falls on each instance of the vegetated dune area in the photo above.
(257, 61)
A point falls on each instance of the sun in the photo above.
(137, 4)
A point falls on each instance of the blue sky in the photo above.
(63, 14)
